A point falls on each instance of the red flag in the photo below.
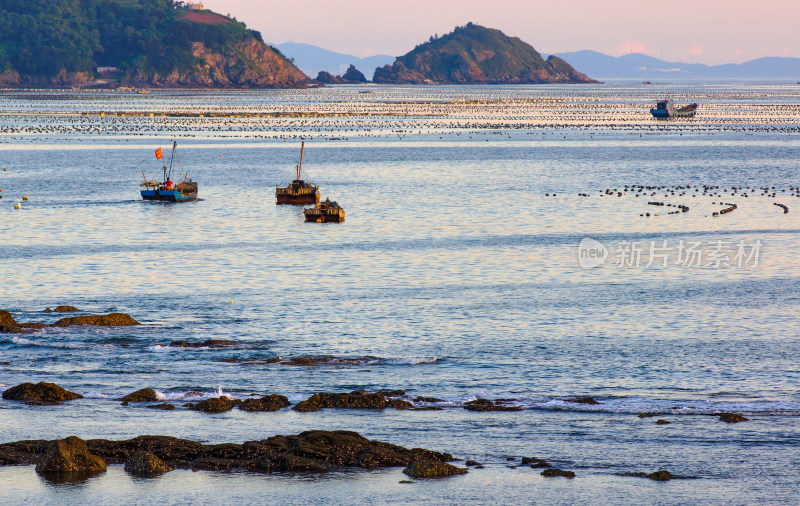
(159, 155)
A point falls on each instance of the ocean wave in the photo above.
(412, 360)
(46, 344)
(627, 405)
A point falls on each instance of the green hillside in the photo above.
(41, 38)
(476, 54)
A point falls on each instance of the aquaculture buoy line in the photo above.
(694, 191)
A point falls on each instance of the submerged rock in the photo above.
(165, 406)
(106, 320)
(646, 415)
(32, 325)
(432, 469)
(146, 465)
(209, 343)
(358, 399)
(70, 456)
(583, 400)
(661, 421)
(214, 405)
(659, 476)
(732, 418)
(143, 395)
(553, 472)
(487, 405)
(40, 393)
(272, 402)
(534, 462)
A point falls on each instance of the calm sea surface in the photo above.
(456, 275)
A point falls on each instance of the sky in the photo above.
(690, 31)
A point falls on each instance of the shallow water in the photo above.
(454, 276)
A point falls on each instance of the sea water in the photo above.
(457, 275)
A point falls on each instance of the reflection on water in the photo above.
(456, 275)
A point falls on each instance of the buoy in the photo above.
(24, 197)
(231, 302)
(17, 205)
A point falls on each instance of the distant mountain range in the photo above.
(640, 66)
(314, 59)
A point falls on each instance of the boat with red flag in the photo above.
(166, 190)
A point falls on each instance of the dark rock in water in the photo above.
(106, 320)
(659, 476)
(5, 363)
(732, 418)
(358, 399)
(272, 402)
(146, 465)
(534, 462)
(32, 325)
(6, 319)
(62, 309)
(143, 395)
(40, 393)
(432, 469)
(472, 463)
(313, 451)
(214, 405)
(420, 398)
(583, 400)
(662, 422)
(70, 456)
(478, 467)
(165, 406)
(646, 415)
(553, 472)
(405, 482)
(210, 343)
(487, 405)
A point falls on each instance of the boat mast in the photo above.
(300, 165)
(172, 159)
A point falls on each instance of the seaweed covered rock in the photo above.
(432, 469)
(214, 405)
(659, 476)
(487, 405)
(358, 399)
(553, 472)
(272, 402)
(146, 465)
(143, 395)
(40, 393)
(62, 309)
(310, 451)
(732, 418)
(106, 320)
(583, 400)
(534, 462)
(69, 456)
(6, 319)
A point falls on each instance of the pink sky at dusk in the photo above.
(692, 31)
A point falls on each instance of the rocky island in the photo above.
(142, 43)
(474, 54)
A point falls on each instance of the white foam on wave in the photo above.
(413, 360)
(46, 344)
(99, 395)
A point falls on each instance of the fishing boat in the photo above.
(166, 190)
(299, 192)
(325, 212)
(666, 109)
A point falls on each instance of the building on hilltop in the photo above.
(195, 6)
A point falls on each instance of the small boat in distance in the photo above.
(325, 212)
(299, 192)
(666, 109)
(166, 190)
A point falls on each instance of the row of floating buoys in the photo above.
(785, 208)
(730, 208)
